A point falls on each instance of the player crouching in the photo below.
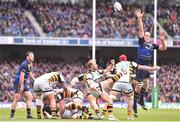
(69, 105)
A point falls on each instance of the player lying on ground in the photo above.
(69, 105)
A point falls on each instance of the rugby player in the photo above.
(21, 85)
(145, 57)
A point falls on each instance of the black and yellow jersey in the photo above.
(70, 93)
(127, 68)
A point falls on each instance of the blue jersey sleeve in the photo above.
(141, 41)
(23, 67)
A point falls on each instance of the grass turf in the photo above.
(154, 115)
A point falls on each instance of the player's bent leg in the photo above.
(14, 103)
(92, 100)
(109, 101)
(143, 92)
(39, 101)
(29, 98)
(130, 106)
(136, 96)
(52, 101)
(107, 83)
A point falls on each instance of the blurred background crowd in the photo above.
(168, 76)
(67, 20)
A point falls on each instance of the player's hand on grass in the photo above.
(139, 13)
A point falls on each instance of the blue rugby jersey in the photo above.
(25, 67)
(145, 52)
(145, 57)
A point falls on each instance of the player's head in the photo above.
(30, 56)
(92, 65)
(147, 36)
(122, 57)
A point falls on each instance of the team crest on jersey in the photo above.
(148, 46)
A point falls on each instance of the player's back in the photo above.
(127, 68)
(47, 76)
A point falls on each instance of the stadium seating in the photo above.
(168, 76)
(13, 22)
(66, 20)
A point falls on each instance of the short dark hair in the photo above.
(29, 52)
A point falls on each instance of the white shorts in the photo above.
(69, 114)
(124, 87)
(42, 86)
(94, 93)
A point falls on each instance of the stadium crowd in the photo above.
(168, 78)
(112, 24)
(13, 22)
(66, 20)
(60, 20)
(169, 18)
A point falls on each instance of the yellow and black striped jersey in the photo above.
(52, 77)
(70, 93)
(127, 67)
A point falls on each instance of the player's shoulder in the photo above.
(24, 63)
(88, 75)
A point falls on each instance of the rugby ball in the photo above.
(117, 7)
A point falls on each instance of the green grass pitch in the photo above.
(153, 115)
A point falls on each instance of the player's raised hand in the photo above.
(139, 13)
(162, 35)
(112, 61)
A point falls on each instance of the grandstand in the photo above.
(59, 32)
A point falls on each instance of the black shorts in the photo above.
(16, 87)
(141, 75)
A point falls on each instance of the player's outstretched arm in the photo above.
(139, 15)
(163, 45)
(74, 81)
(147, 68)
